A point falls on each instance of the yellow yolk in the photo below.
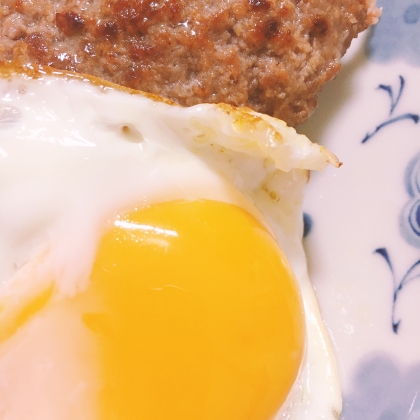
(202, 319)
(195, 313)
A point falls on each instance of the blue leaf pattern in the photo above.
(413, 273)
(394, 100)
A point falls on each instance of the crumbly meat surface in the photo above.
(270, 55)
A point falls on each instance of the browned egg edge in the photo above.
(243, 117)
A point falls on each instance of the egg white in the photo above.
(73, 153)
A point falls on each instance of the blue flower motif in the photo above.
(410, 215)
(398, 32)
(383, 391)
(410, 230)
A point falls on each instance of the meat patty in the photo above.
(270, 55)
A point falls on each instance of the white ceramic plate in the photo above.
(363, 219)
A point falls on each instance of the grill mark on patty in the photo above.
(70, 23)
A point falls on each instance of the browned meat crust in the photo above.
(270, 55)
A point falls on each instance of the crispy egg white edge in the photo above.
(241, 146)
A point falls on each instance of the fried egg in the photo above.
(152, 265)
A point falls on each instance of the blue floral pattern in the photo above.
(410, 215)
(410, 230)
(383, 391)
(398, 32)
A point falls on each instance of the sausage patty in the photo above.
(270, 55)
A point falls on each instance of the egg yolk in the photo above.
(194, 313)
(202, 315)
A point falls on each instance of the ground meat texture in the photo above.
(270, 55)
